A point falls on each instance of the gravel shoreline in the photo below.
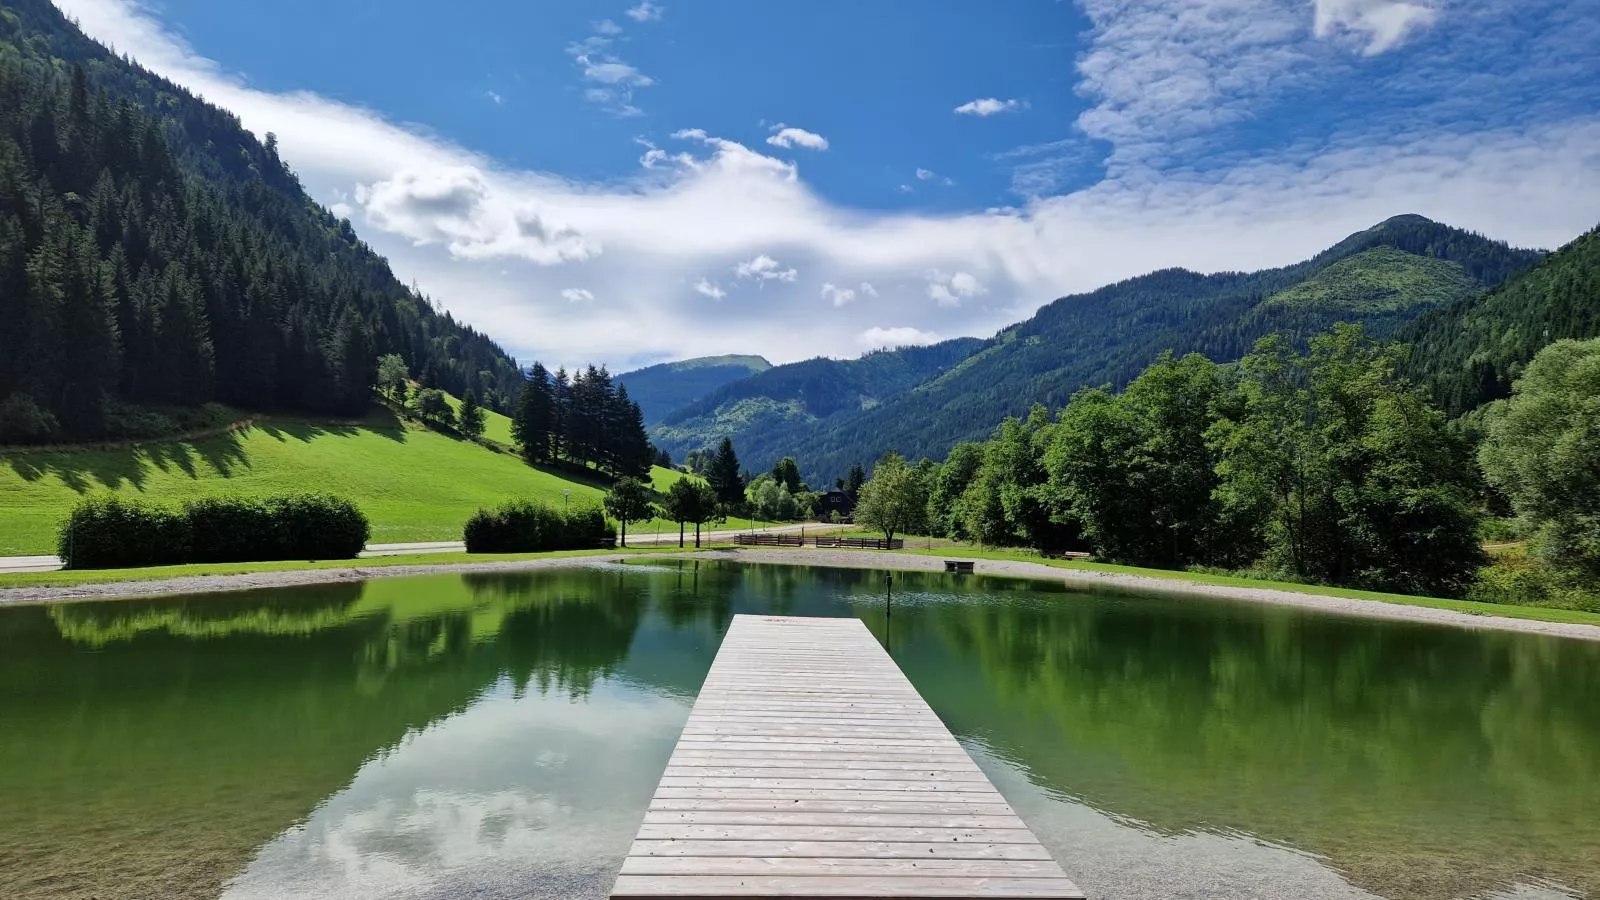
(848, 559)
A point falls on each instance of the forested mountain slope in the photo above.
(660, 389)
(1382, 277)
(764, 413)
(153, 252)
(1470, 352)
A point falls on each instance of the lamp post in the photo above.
(566, 495)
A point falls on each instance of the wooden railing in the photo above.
(860, 543)
(770, 540)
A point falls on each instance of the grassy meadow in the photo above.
(414, 484)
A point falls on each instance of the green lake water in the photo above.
(501, 735)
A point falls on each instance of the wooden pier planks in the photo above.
(810, 767)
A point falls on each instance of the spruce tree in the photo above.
(724, 475)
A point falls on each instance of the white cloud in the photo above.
(836, 295)
(607, 28)
(903, 336)
(576, 295)
(710, 290)
(867, 290)
(925, 174)
(646, 12)
(613, 71)
(453, 220)
(456, 207)
(950, 290)
(496, 98)
(906, 189)
(988, 106)
(764, 268)
(1384, 24)
(784, 136)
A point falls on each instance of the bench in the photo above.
(958, 566)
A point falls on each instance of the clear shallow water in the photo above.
(500, 736)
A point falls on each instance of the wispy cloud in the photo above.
(988, 106)
(576, 295)
(607, 27)
(950, 290)
(785, 136)
(600, 65)
(646, 12)
(494, 98)
(838, 296)
(1380, 24)
(709, 289)
(764, 268)
(903, 336)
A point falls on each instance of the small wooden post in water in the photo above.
(810, 767)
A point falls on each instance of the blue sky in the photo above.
(633, 182)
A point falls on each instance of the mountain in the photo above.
(1383, 277)
(1470, 352)
(660, 389)
(766, 411)
(155, 254)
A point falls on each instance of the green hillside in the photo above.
(1470, 352)
(660, 389)
(1382, 277)
(760, 411)
(414, 484)
(1380, 280)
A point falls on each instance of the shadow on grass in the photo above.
(118, 467)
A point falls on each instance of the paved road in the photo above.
(9, 564)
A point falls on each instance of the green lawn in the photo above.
(496, 427)
(414, 484)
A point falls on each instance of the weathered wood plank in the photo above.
(810, 767)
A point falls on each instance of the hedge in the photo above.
(109, 532)
(525, 526)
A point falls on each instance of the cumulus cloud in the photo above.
(710, 290)
(902, 336)
(836, 295)
(950, 290)
(455, 207)
(494, 97)
(1381, 24)
(988, 106)
(607, 28)
(926, 174)
(764, 268)
(646, 12)
(784, 136)
(496, 245)
(867, 290)
(576, 295)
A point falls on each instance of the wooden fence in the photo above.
(770, 540)
(860, 543)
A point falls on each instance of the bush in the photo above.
(524, 526)
(110, 532)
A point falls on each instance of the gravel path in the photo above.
(849, 559)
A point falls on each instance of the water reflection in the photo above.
(499, 735)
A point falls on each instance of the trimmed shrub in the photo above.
(110, 532)
(525, 526)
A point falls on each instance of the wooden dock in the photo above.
(810, 767)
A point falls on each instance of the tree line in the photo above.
(1323, 466)
(152, 260)
(584, 419)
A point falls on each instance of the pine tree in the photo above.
(471, 417)
(533, 425)
(724, 475)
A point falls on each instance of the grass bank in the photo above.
(196, 570)
(414, 484)
(1469, 607)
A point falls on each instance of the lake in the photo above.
(500, 735)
